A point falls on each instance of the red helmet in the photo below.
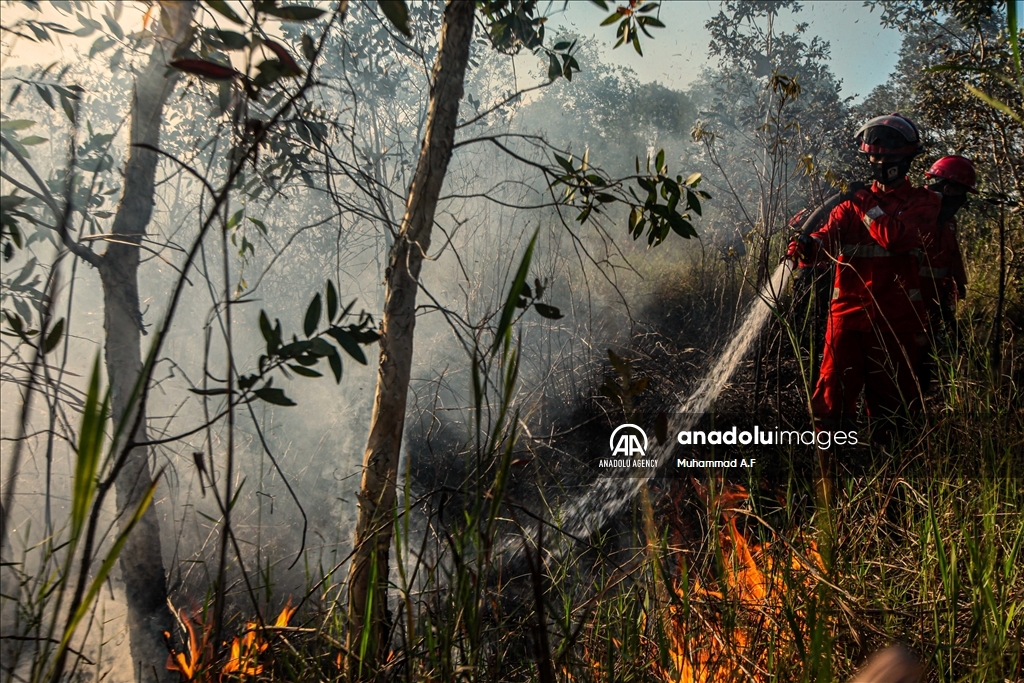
(889, 135)
(955, 169)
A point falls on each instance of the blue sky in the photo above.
(863, 53)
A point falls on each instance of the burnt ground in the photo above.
(677, 337)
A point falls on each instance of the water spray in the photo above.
(607, 496)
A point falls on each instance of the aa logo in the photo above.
(628, 441)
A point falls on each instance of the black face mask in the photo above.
(951, 203)
(889, 172)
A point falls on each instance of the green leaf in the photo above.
(554, 69)
(397, 13)
(693, 202)
(222, 7)
(332, 301)
(348, 343)
(634, 218)
(233, 40)
(550, 312)
(659, 161)
(335, 360)
(53, 338)
(312, 316)
(69, 109)
(219, 391)
(611, 19)
(16, 124)
(258, 223)
(293, 12)
(265, 329)
(514, 292)
(305, 372)
(565, 163)
(233, 221)
(46, 95)
(367, 336)
(308, 47)
(638, 386)
(114, 27)
(319, 347)
(620, 364)
(100, 44)
(33, 140)
(274, 396)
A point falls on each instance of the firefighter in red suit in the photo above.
(942, 275)
(943, 279)
(876, 318)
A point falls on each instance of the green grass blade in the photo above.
(90, 447)
(108, 564)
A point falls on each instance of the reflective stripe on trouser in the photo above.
(912, 294)
(879, 362)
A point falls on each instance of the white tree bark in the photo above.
(141, 561)
(377, 493)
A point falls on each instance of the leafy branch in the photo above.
(301, 356)
(662, 207)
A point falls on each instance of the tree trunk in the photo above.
(141, 560)
(368, 575)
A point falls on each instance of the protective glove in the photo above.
(799, 249)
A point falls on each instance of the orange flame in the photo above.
(245, 650)
(188, 663)
(723, 649)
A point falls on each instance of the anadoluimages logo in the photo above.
(625, 441)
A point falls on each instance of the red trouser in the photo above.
(879, 362)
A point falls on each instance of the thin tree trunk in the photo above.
(368, 575)
(141, 560)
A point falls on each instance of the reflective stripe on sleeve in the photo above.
(871, 215)
(864, 251)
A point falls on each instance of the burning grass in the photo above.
(735, 625)
(198, 662)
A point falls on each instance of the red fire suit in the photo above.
(877, 315)
(942, 273)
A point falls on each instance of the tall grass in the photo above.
(919, 543)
